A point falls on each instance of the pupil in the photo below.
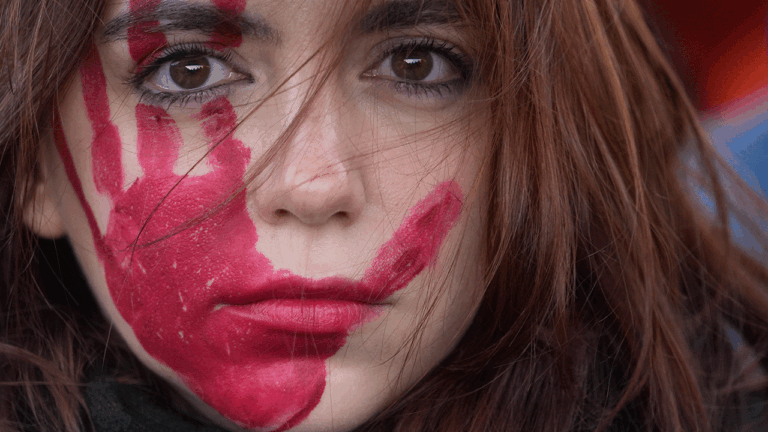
(190, 73)
(412, 65)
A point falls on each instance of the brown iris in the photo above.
(412, 64)
(190, 73)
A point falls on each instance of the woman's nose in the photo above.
(314, 180)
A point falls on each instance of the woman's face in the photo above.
(289, 301)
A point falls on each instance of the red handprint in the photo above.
(171, 263)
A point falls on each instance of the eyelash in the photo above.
(181, 52)
(460, 61)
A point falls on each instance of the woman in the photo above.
(373, 215)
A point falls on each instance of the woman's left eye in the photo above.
(424, 67)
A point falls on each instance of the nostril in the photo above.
(327, 198)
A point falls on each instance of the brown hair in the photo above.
(41, 353)
(609, 291)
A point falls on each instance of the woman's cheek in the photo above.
(163, 255)
(174, 255)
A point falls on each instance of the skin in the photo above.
(148, 195)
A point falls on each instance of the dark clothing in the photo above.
(116, 407)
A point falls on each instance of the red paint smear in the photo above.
(106, 138)
(168, 290)
(144, 44)
(234, 6)
(227, 34)
(69, 167)
(159, 145)
(416, 243)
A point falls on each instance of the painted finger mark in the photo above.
(159, 142)
(107, 160)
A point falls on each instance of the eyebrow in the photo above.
(175, 15)
(179, 15)
(403, 14)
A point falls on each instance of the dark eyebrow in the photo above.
(404, 14)
(174, 15)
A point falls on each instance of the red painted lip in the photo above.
(304, 316)
(299, 288)
(299, 305)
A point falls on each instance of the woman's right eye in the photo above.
(191, 74)
(187, 73)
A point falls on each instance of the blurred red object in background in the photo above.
(718, 46)
(720, 50)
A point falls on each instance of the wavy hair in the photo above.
(609, 293)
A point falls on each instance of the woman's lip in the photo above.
(291, 305)
(298, 288)
(304, 316)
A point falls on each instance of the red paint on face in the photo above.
(107, 170)
(235, 6)
(144, 44)
(226, 34)
(168, 276)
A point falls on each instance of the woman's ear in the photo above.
(41, 212)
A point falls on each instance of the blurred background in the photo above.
(720, 50)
